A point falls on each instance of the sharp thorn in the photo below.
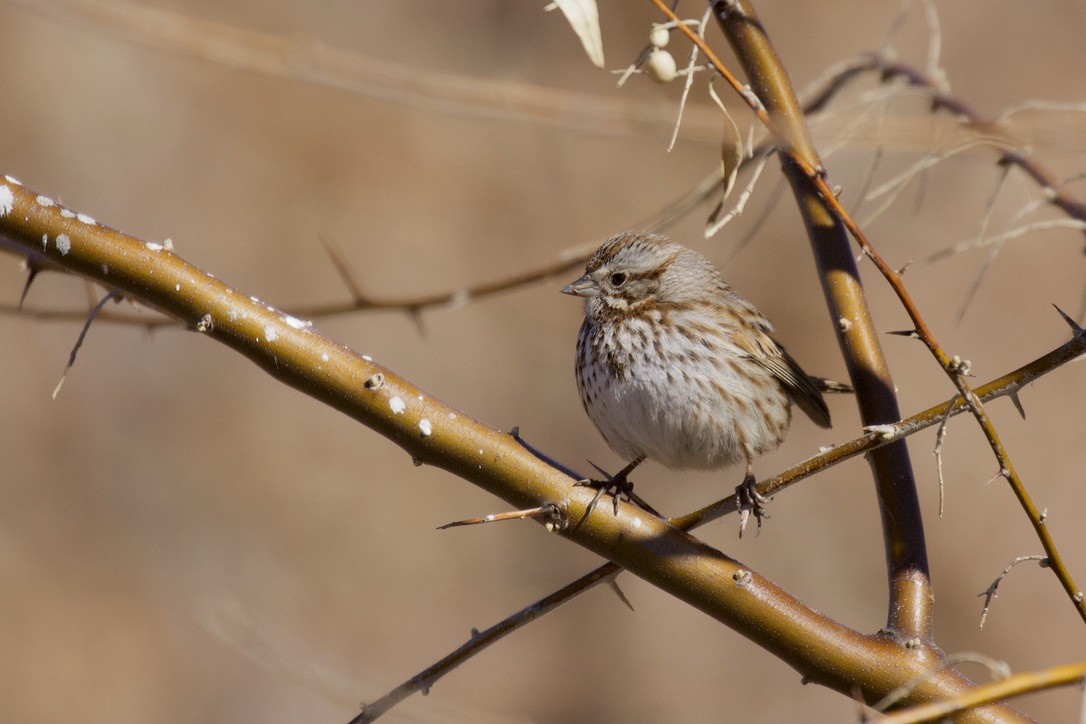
(910, 333)
(1018, 404)
(606, 475)
(32, 273)
(341, 268)
(416, 317)
(618, 592)
(1075, 326)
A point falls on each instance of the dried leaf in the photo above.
(584, 17)
(732, 149)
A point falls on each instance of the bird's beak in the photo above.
(584, 287)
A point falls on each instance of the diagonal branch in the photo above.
(1006, 386)
(432, 432)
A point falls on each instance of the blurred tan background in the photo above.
(182, 539)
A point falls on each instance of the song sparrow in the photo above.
(673, 365)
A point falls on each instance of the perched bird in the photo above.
(674, 366)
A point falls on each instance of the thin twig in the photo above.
(1007, 385)
(990, 592)
(1017, 685)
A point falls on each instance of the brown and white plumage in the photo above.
(675, 366)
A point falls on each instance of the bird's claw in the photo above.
(618, 485)
(748, 500)
(620, 489)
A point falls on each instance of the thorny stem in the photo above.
(432, 432)
(740, 24)
(1007, 385)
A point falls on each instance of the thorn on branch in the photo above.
(618, 592)
(1017, 404)
(345, 276)
(416, 316)
(32, 271)
(551, 511)
(1075, 326)
(910, 333)
(113, 294)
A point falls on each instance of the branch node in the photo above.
(959, 366)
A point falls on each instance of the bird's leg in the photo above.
(618, 485)
(749, 500)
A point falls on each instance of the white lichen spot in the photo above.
(105, 269)
(45, 201)
(397, 405)
(452, 415)
(637, 523)
(153, 246)
(232, 315)
(7, 200)
(270, 334)
(206, 324)
(44, 241)
(425, 427)
(459, 298)
(367, 358)
(844, 323)
(86, 219)
(13, 180)
(167, 244)
(67, 213)
(296, 323)
(480, 451)
(324, 357)
(490, 518)
(886, 432)
(420, 398)
(254, 300)
(64, 244)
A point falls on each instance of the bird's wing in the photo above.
(766, 351)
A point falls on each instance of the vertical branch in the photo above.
(910, 609)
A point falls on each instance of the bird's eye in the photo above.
(618, 279)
